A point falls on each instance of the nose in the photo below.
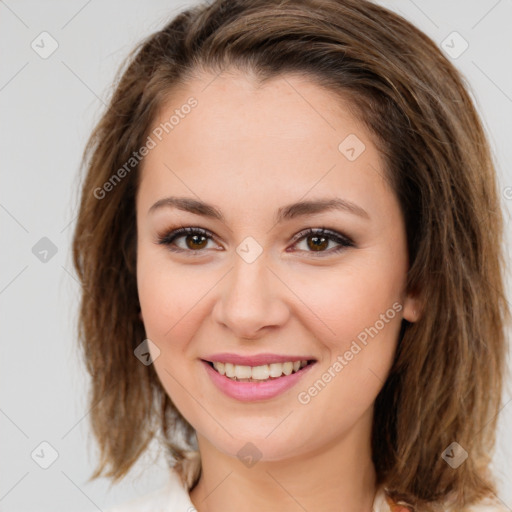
(251, 301)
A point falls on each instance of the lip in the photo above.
(255, 391)
(256, 359)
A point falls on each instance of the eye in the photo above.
(317, 240)
(196, 239)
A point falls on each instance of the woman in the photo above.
(289, 245)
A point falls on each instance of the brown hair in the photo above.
(446, 381)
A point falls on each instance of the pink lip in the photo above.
(255, 360)
(254, 391)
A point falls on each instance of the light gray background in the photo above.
(47, 109)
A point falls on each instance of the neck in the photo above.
(339, 476)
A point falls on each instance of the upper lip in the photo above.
(254, 360)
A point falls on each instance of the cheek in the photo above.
(338, 304)
(362, 322)
(170, 303)
(169, 296)
(355, 312)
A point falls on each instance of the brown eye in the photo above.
(317, 243)
(195, 240)
(318, 240)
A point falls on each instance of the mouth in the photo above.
(259, 373)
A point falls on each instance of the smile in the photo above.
(256, 378)
(242, 373)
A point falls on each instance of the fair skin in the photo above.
(249, 151)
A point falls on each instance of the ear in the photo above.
(413, 307)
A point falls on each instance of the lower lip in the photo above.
(255, 391)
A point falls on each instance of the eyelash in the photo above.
(168, 238)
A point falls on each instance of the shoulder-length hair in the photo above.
(446, 381)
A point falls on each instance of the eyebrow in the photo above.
(287, 212)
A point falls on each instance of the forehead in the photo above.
(289, 135)
(236, 108)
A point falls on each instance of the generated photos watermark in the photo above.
(342, 360)
(151, 142)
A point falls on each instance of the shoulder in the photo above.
(168, 498)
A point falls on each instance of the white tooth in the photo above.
(260, 372)
(242, 372)
(287, 368)
(276, 369)
(230, 370)
(220, 368)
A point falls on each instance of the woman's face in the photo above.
(253, 291)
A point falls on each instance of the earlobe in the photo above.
(413, 308)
